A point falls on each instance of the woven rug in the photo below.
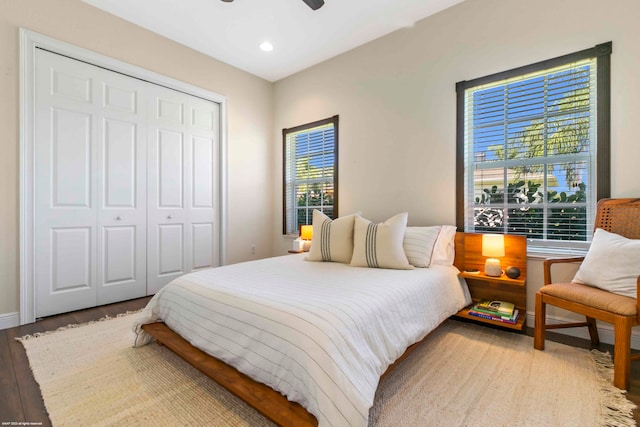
(462, 375)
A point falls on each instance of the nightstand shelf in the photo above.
(518, 326)
(502, 288)
(490, 279)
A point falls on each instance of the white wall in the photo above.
(250, 120)
(397, 102)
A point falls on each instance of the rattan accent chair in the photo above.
(620, 216)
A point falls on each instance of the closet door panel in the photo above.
(122, 214)
(71, 259)
(169, 169)
(120, 168)
(71, 156)
(119, 254)
(203, 242)
(122, 99)
(203, 158)
(170, 249)
(65, 187)
(201, 204)
(204, 137)
(170, 158)
(170, 107)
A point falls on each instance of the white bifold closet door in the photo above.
(125, 181)
(182, 151)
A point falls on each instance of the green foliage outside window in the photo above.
(312, 196)
(526, 214)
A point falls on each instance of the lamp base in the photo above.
(307, 245)
(492, 267)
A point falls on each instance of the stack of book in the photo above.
(499, 311)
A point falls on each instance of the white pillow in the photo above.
(418, 244)
(332, 239)
(380, 245)
(444, 251)
(612, 263)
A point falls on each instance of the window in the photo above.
(533, 149)
(310, 172)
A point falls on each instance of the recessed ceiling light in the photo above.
(266, 46)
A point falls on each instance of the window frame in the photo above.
(602, 53)
(285, 132)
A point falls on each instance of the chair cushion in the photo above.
(592, 297)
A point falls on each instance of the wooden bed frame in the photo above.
(264, 399)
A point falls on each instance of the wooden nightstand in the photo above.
(500, 288)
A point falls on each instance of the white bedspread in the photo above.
(320, 333)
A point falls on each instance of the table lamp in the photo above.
(306, 234)
(493, 248)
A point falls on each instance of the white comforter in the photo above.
(320, 333)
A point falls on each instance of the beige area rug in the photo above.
(463, 375)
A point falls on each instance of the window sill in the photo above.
(541, 253)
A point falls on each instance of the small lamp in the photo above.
(306, 234)
(493, 248)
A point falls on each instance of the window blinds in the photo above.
(530, 153)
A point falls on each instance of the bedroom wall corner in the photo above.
(249, 119)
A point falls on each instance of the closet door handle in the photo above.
(118, 218)
(169, 217)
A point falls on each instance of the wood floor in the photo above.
(20, 399)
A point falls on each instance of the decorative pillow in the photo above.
(418, 244)
(612, 263)
(444, 250)
(380, 245)
(332, 239)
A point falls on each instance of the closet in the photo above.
(125, 188)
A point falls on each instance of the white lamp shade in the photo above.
(493, 248)
(493, 245)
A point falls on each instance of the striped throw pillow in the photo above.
(332, 239)
(380, 245)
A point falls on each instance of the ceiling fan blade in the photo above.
(314, 4)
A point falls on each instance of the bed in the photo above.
(320, 333)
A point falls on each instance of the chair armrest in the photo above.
(550, 261)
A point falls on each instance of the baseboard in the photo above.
(605, 330)
(9, 320)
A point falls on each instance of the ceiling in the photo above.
(301, 37)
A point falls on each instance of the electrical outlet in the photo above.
(253, 249)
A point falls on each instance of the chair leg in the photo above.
(593, 330)
(540, 326)
(622, 352)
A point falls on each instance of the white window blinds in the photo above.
(310, 172)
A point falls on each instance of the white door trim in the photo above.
(29, 42)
